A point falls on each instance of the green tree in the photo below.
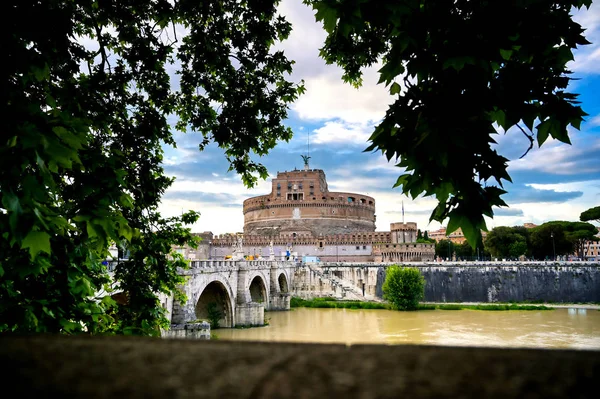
(403, 287)
(444, 249)
(580, 233)
(84, 132)
(592, 214)
(214, 315)
(423, 238)
(457, 69)
(465, 251)
(549, 239)
(562, 237)
(502, 241)
(517, 249)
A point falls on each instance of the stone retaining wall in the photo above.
(564, 282)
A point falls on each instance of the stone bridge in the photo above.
(241, 291)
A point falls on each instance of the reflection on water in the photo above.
(559, 328)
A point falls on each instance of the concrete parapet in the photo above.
(111, 367)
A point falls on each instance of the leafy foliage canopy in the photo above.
(87, 99)
(456, 71)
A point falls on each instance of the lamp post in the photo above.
(553, 247)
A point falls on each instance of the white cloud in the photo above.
(558, 158)
(328, 97)
(587, 58)
(341, 132)
(595, 121)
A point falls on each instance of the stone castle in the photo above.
(302, 218)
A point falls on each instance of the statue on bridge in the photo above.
(271, 251)
(238, 253)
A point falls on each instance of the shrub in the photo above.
(404, 287)
(214, 315)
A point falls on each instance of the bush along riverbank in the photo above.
(332, 303)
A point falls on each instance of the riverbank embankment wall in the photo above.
(565, 282)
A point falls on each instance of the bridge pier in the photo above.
(249, 314)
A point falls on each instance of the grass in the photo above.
(332, 303)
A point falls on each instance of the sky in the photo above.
(554, 182)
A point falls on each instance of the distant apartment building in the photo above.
(591, 250)
(456, 236)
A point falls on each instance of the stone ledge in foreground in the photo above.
(109, 367)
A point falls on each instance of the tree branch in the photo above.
(530, 137)
(102, 49)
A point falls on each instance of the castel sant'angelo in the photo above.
(301, 216)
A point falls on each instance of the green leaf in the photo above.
(37, 241)
(506, 54)
(395, 88)
(326, 14)
(543, 130)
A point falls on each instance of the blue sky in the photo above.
(554, 182)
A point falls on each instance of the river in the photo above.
(558, 328)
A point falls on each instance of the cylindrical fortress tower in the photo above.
(301, 203)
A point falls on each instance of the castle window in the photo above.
(357, 247)
(351, 199)
(312, 192)
(311, 184)
(300, 186)
(289, 186)
(278, 186)
(364, 247)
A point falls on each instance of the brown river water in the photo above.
(558, 328)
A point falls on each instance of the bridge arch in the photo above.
(216, 294)
(258, 290)
(283, 282)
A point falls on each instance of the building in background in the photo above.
(591, 250)
(302, 218)
(456, 236)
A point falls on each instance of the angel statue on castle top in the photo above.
(305, 158)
